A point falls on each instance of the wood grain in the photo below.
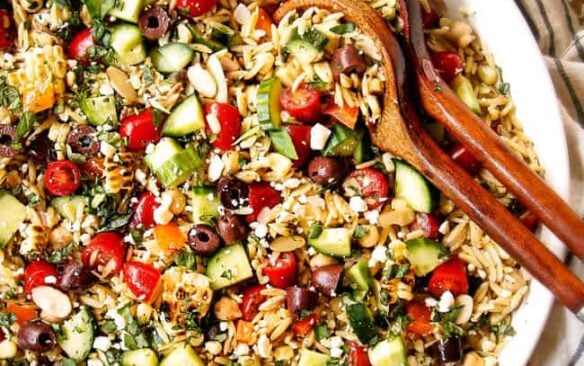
(401, 133)
(442, 104)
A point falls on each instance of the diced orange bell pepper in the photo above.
(244, 331)
(420, 315)
(169, 236)
(346, 115)
(38, 98)
(23, 312)
(265, 23)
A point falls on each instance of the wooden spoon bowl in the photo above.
(401, 133)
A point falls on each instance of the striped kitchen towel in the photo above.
(558, 26)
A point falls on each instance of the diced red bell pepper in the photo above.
(262, 195)
(420, 315)
(283, 273)
(302, 327)
(449, 276)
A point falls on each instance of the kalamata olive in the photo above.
(323, 170)
(231, 228)
(347, 60)
(447, 350)
(7, 137)
(429, 224)
(37, 337)
(154, 22)
(327, 278)
(299, 298)
(41, 148)
(233, 193)
(43, 360)
(83, 140)
(73, 276)
(203, 239)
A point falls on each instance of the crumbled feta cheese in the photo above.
(372, 217)
(378, 255)
(102, 343)
(116, 317)
(336, 342)
(357, 204)
(292, 183)
(106, 89)
(215, 168)
(94, 362)
(430, 302)
(446, 302)
(311, 251)
(261, 230)
(336, 352)
(319, 135)
(223, 326)
(107, 149)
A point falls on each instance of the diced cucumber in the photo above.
(171, 57)
(229, 266)
(344, 141)
(282, 143)
(333, 241)
(389, 352)
(312, 358)
(225, 35)
(172, 163)
(361, 279)
(99, 8)
(307, 47)
(139, 357)
(410, 185)
(361, 321)
(77, 335)
(465, 91)
(205, 204)
(199, 38)
(185, 118)
(128, 10)
(12, 214)
(69, 206)
(182, 355)
(362, 151)
(100, 110)
(425, 255)
(126, 40)
(268, 104)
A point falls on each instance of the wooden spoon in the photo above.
(401, 133)
(442, 104)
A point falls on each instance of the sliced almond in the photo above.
(287, 243)
(121, 84)
(53, 303)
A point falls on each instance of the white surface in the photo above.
(506, 35)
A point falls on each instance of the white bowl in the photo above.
(506, 35)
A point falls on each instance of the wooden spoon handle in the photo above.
(445, 107)
(499, 224)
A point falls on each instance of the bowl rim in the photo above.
(507, 36)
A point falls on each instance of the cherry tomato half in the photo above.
(301, 138)
(144, 211)
(142, 279)
(7, 29)
(105, 253)
(39, 273)
(62, 177)
(302, 103)
(283, 273)
(467, 161)
(420, 315)
(79, 45)
(252, 299)
(448, 64)
(140, 130)
(449, 276)
(369, 183)
(93, 168)
(195, 8)
(357, 355)
(302, 327)
(261, 195)
(429, 224)
(229, 124)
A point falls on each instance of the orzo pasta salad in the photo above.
(186, 182)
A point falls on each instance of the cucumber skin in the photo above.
(362, 322)
(282, 143)
(268, 104)
(418, 192)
